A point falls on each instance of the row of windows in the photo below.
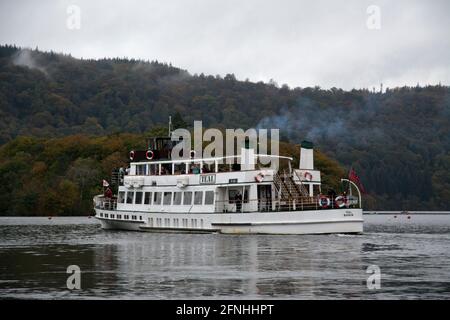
(175, 223)
(167, 198)
(119, 216)
(159, 222)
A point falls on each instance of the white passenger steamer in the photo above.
(163, 195)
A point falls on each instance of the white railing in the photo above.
(357, 189)
(105, 203)
(158, 165)
(268, 205)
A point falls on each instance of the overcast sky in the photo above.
(301, 43)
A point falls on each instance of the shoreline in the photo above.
(404, 212)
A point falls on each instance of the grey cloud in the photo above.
(300, 43)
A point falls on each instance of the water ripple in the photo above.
(412, 254)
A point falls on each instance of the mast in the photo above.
(170, 126)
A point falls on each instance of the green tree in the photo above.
(178, 122)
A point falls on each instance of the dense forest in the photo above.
(397, 140)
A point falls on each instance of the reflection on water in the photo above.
(412, 253)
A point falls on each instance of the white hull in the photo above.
(290, 222)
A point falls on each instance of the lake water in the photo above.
(413, 256)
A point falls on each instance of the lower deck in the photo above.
(282, 222)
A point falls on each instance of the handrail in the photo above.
(357, 189)
(302, 186)
(248, 205)
(213, 159)
(299, 204)
(102, 202)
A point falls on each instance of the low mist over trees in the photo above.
(398, 140)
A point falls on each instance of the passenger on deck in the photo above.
(238, 200)
(195, 169)
(121, 174)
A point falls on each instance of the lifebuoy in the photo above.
(149, 154)
(308, 176)
(131, 155)
(259, 177)
(324, 202)
(341, 201)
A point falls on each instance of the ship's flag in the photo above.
(105, 183)
(352, 176)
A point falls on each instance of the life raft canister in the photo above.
(131, 155)
(341, 201)
(308, 176)
(149, 154)
(324, 202)
(259, 177)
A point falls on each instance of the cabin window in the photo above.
(138, 199)
(198, 197)
(130, 196)
(157, 198)
(140, 217)
(121, 198)
(167, 198)
(147, 197)
(177, 198)
(112, 216)
(187, 200)
(209, 197)
(119, 216)
(141, 169)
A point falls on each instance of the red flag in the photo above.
(352, 176)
